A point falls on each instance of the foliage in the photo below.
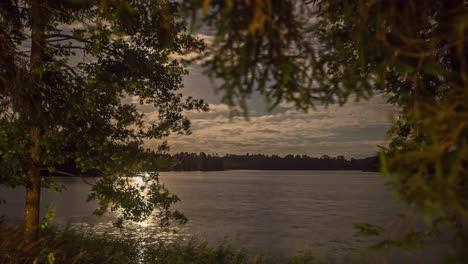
(303, 52)
(66, 246)
(94, 57)
(193, 161)
(260, 46)
(49, 215)
(185, 161)
(367, 230)
(71, 246)
(414, 52)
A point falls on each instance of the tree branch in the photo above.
(70, 174)
(69, 47)
(65, 37)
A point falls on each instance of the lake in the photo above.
(275, 212)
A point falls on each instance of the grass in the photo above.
(69, 245)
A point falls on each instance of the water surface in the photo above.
(276, 212)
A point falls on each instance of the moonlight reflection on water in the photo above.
(279, 212)
(148, 231)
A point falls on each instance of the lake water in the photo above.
(276, 212)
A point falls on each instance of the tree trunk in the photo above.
(33, 183)
(33, 190)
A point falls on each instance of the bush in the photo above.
(67, 245)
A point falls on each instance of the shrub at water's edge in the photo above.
(72, 246)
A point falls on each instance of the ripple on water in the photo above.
(145, 233)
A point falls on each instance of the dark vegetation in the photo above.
(413, 52)
(67, 69)
(308, 52)
(207, 162)
(203, 162)
(74, 246)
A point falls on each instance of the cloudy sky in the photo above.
(353, 130)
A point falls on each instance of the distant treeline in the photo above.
(207, 162)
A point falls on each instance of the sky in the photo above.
(355, 129)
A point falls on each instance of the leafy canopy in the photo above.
(98, 56)
(414, 52)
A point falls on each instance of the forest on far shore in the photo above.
(207, 162)
(185, 161)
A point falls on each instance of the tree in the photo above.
(67, 70)
(414, 52)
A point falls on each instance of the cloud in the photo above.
(353, 130)
(195, 55)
